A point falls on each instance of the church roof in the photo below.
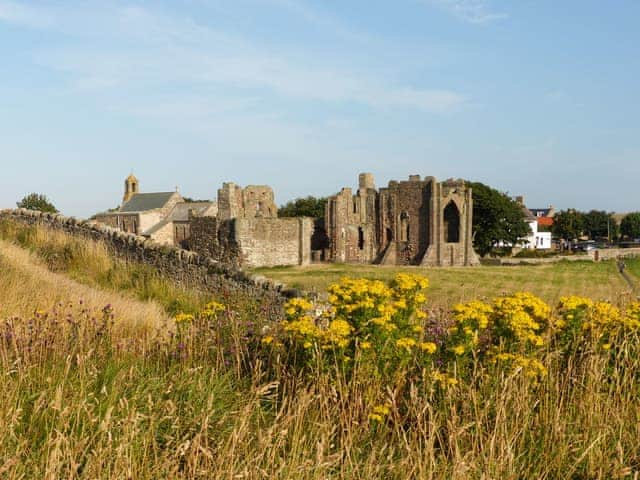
(180, 213)
(141, 202)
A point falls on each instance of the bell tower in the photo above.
(131, 187)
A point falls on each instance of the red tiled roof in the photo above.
(545, 221)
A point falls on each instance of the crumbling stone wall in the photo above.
(350, 222)
(451, 241)
(253, 242)
(214, 238)
(414, 222)
(183, 267)
(270, 242)
(249, 202)
(404, 220)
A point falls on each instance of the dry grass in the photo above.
(89, 262)
(461, 284)
(94, 409)
(28, 285)
(79, 401)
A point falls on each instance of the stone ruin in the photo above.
(415, 222)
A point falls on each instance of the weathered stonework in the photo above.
(271, 242)
(414, 222)
(249, 202)
(183, 267)
(253, 242)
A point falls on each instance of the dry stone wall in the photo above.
(613, 253)
(183, 267)
(214, 238)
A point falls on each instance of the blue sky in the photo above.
(538, 98)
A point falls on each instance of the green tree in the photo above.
(630, 225)
(497, 218)
(568, 224)
(36, 201)
(598, 223)
(304, 207)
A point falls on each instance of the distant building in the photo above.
(543, 212)
(536, 218)
(412, 222)
(161, 216)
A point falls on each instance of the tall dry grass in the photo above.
(27, 285)
(80, 400)
(90, 263)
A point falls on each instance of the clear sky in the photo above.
(539, 98)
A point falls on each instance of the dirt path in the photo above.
(623, 271)
(26, 285)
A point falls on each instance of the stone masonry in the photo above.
(185, 268)
(414, 222)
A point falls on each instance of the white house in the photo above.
(536, 240)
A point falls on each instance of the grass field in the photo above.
(89, 392)
(451, 285)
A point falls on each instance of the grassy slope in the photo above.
(89, 263)
(27, 285)
(450, 285)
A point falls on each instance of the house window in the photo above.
(360, 238)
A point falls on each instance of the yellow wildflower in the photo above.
(211, 309)
(428, 347)
(183, 318)
(406, 343)
(458, 350)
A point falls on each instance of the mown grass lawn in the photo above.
(451, 285)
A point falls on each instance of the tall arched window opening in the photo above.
(452, 223)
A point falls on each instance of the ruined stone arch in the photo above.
(451, 220)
